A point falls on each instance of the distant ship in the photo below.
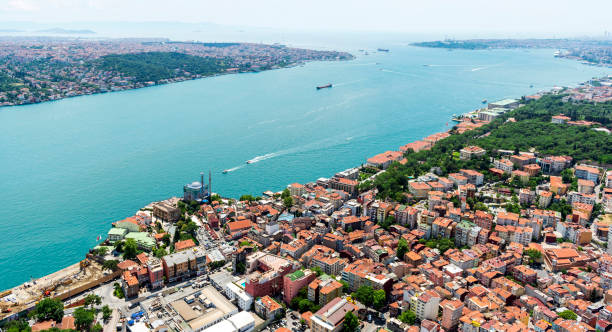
(383, 50)
(319, 88)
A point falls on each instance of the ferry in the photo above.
(322, 87)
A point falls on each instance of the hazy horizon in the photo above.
(438, 18)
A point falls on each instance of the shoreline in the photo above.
(65, 268)
(292, 65)
(149, 204)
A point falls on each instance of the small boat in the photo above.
(531, 85)
(225, 171)
(324, 86)
(249, 162)
(383, 50)
(484, 101)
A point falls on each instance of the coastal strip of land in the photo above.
(34, 70)
(589, 51)
(514, 199)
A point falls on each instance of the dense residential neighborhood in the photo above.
(38, 69)
(475, 229)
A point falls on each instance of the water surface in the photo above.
(71, 167)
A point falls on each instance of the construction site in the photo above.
(62, 285)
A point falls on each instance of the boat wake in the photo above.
(233, 169)
(264, 157)
(267, 121)
(351, 82)
(397, 72)
(321, 144)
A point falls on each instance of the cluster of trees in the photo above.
(18, 325)
(442, 244)
(190, 207)
(53, 309)
(249, 198)
(185, 229)
(408, 317)
(287, 199)
(157, 66)
(370, 297)
(301, 302)
(118, 291)
(84, 316)
(47, 309)
(402, 248)
(110, 264)
(533, 256)
(568, 314)
(128, 247)
(350, 323)
(531, 130)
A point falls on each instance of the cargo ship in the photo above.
(324, 86)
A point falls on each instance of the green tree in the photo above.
(379, 299)
(130, 249)
(166, 239)
(118, 291)
(288, 202)
(402, 248)
(96, 328)
(533, 255)
(345, 286)
(92, 299)
(83, 318)
(49, 308)
(567, 175)
(365, 295)
(285, 193)
(351, 322)
(240, 267)
(481, 206)
(106, 313)
(317, 270)
(304, 305)
(110, 264)
(568, 314)
(408, 317)
(18, 325)
(101, 251)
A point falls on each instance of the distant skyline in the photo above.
(458, 18)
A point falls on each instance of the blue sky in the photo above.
(541, 18)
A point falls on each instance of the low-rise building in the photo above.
(331, 316)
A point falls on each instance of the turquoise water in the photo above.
(71, 167)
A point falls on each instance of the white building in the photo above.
(240, 322)
(425, 305)
(243, 299)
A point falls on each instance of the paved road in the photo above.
(111, 326)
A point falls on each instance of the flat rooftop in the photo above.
(196, 319)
